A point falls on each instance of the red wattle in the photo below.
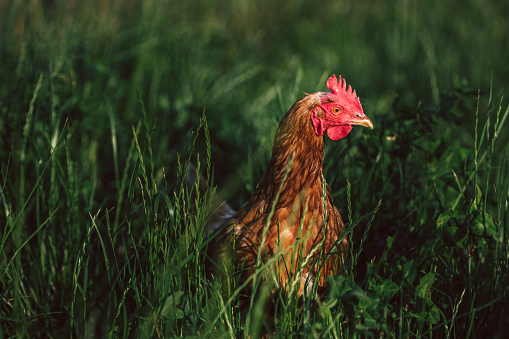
(338, 132)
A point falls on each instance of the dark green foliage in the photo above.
(103, 104)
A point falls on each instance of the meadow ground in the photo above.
(102, 104)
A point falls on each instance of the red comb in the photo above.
(335, 86)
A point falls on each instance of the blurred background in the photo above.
(244, 63)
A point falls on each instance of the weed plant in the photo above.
(103, 105)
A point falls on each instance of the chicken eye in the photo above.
(336, 110)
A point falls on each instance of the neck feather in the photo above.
(295, 137)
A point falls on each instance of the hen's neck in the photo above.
(295, 137)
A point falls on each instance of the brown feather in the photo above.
(303, 186)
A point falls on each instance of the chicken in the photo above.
(301, 235)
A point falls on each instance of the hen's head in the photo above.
(338, 111)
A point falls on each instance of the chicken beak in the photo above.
(365, 121)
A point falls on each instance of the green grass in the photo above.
(102, 105)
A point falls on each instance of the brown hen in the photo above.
(301, 236)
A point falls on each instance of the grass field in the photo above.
(102, 104)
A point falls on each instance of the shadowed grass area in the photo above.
(103, 103)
